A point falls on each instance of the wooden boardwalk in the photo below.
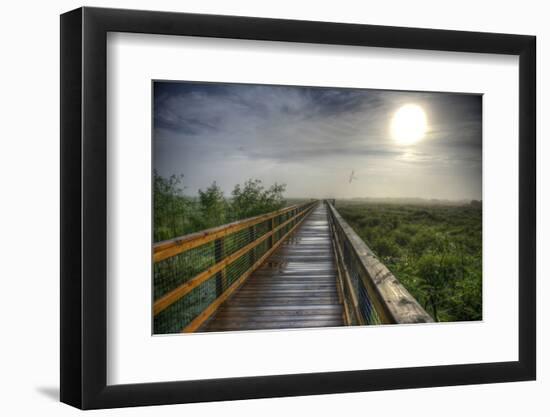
(295, 288)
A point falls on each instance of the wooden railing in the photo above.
(194, 274)
(370, 292)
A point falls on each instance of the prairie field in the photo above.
(435, 250)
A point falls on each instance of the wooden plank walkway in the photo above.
(295, 288)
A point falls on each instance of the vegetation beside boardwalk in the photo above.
(176, 214)
(435, 251)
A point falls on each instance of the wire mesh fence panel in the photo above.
(172, 272)
(365, 305)
(184, 310)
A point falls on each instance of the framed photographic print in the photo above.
(258, 207)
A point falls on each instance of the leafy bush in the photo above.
(402, 238)
(213, 206)
(420, 243)
(176, 214)
(438, 273)
(172, 211)
(253, 199)
(386, 248)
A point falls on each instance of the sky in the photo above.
(312, 138)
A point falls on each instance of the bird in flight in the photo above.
(352, 176)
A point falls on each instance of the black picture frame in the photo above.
(84, 207)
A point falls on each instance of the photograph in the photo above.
(285, 207)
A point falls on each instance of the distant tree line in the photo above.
(177, 214)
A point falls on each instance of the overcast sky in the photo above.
(312, 138)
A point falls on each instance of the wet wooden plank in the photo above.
(324, 307)
(288, 302)
(296, 287)
(250, 325)
(225, 319)
(288, 291)
(259, 314)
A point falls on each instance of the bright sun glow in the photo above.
(408, 125)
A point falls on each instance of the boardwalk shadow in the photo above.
(50, 392)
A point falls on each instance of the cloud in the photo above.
(208, 129)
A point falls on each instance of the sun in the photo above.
(409, 124)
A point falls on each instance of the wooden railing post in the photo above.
(219, 249)
(252, 238)
(272, 237)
